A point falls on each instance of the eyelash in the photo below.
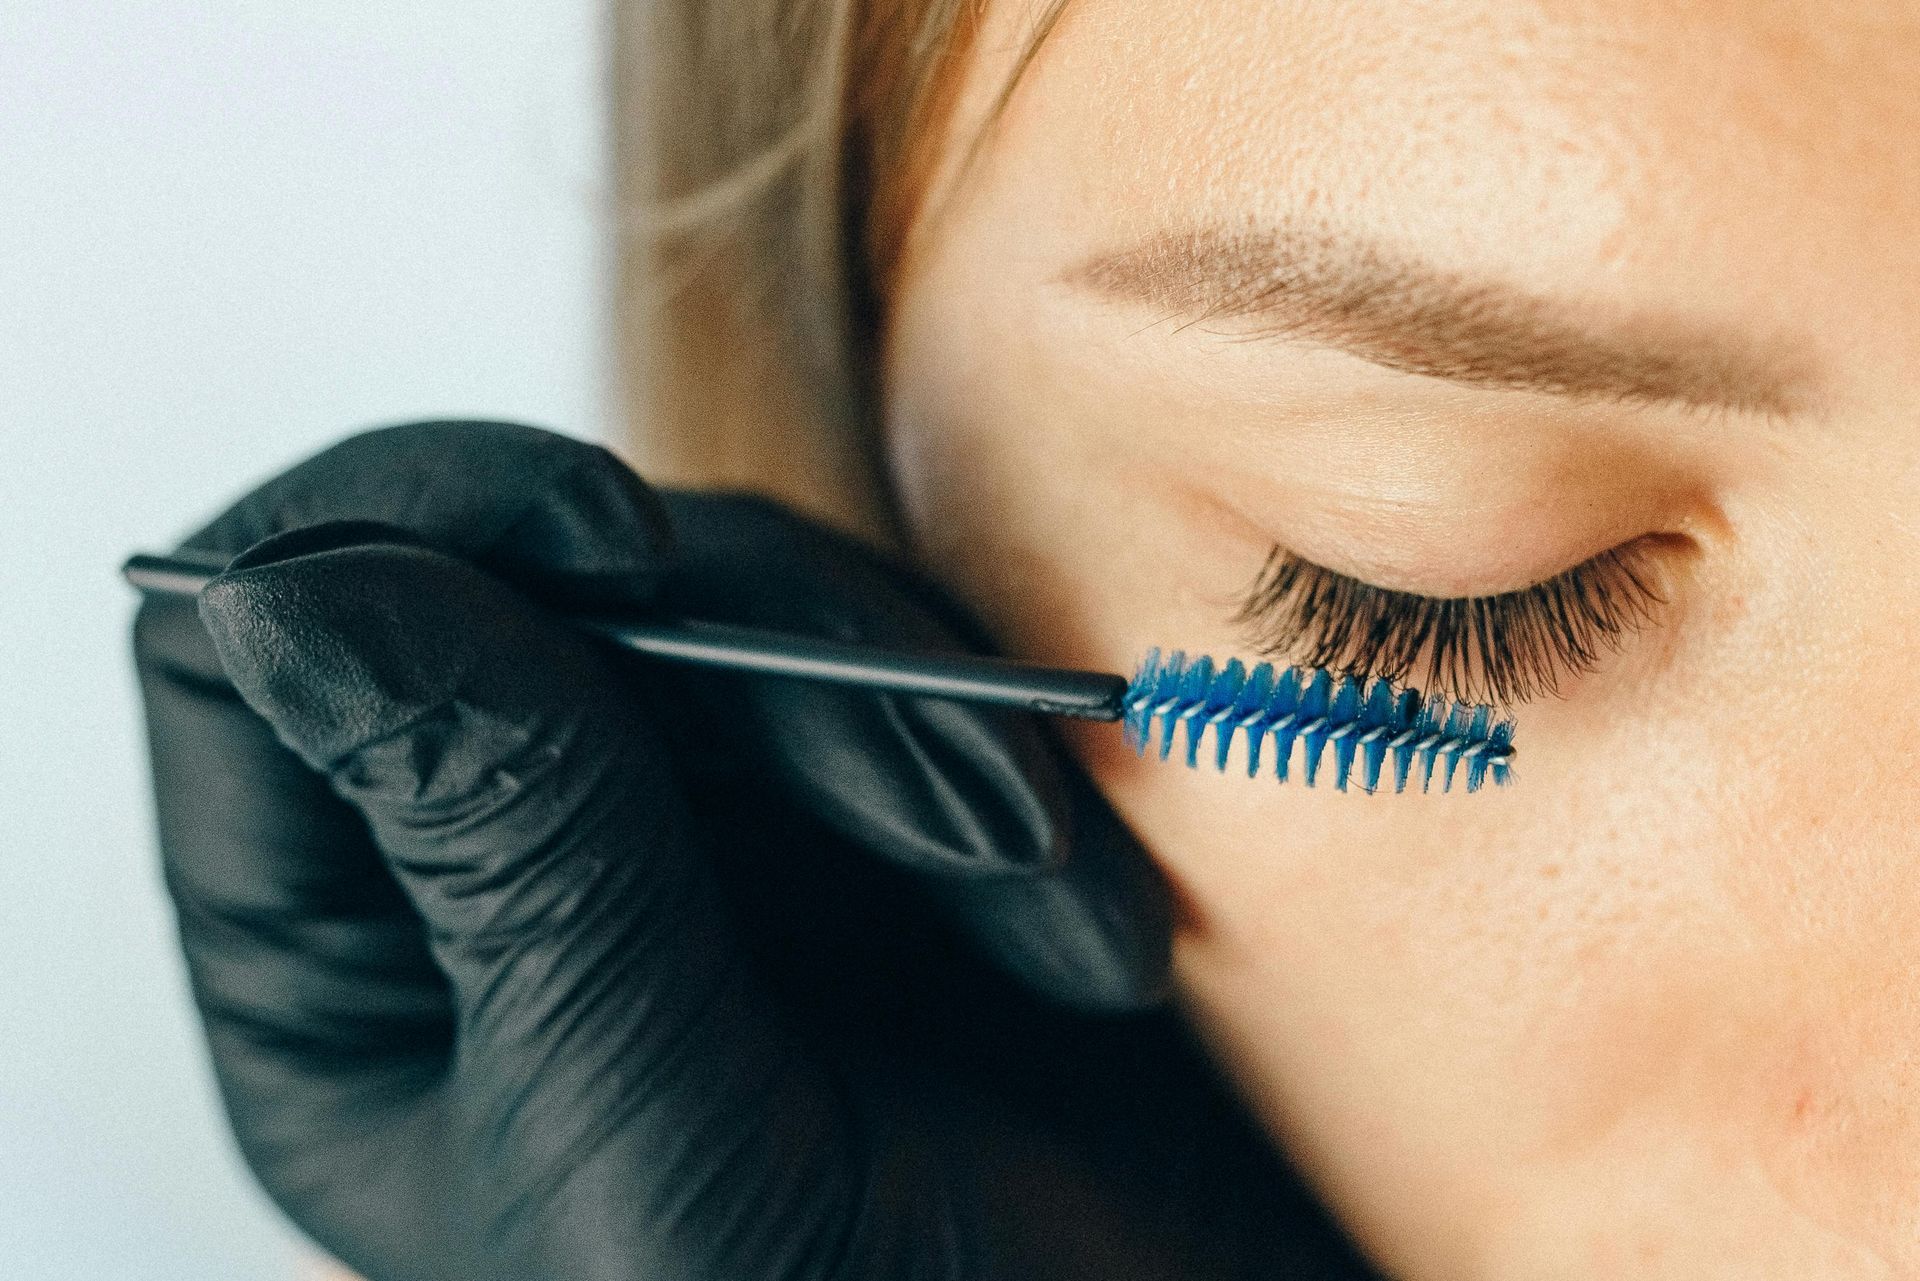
(1507, 648)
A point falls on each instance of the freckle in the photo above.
(1551, 871)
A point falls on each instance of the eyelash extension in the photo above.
(1507, 648)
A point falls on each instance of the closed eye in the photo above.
(1504, 648)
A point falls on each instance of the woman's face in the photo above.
(1450, 298)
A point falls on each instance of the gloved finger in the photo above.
(1094, 932)
(562, 519)
(617, 1052)
(329, 1024)
(568, 523)
(934, 785)
(327, 1021)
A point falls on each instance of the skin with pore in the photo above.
(1449, 298)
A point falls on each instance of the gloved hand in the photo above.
(523, 956)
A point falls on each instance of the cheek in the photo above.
(1447, 1016)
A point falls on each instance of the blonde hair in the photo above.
(770, 158)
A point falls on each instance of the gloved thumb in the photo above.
(612, 1034)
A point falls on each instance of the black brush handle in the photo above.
(1055, 691)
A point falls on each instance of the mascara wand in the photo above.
(1371, 725)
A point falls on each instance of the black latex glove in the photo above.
(522, 956)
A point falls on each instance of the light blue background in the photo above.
(229, 233)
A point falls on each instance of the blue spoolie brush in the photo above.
(1367, 724)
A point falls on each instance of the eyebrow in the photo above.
(1332, 291)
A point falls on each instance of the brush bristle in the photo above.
(1347, 728)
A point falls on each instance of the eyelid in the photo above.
(1507, 647)
(1467, 534)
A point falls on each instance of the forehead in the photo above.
(1565, 143)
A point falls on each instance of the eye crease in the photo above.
(1504, 648)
